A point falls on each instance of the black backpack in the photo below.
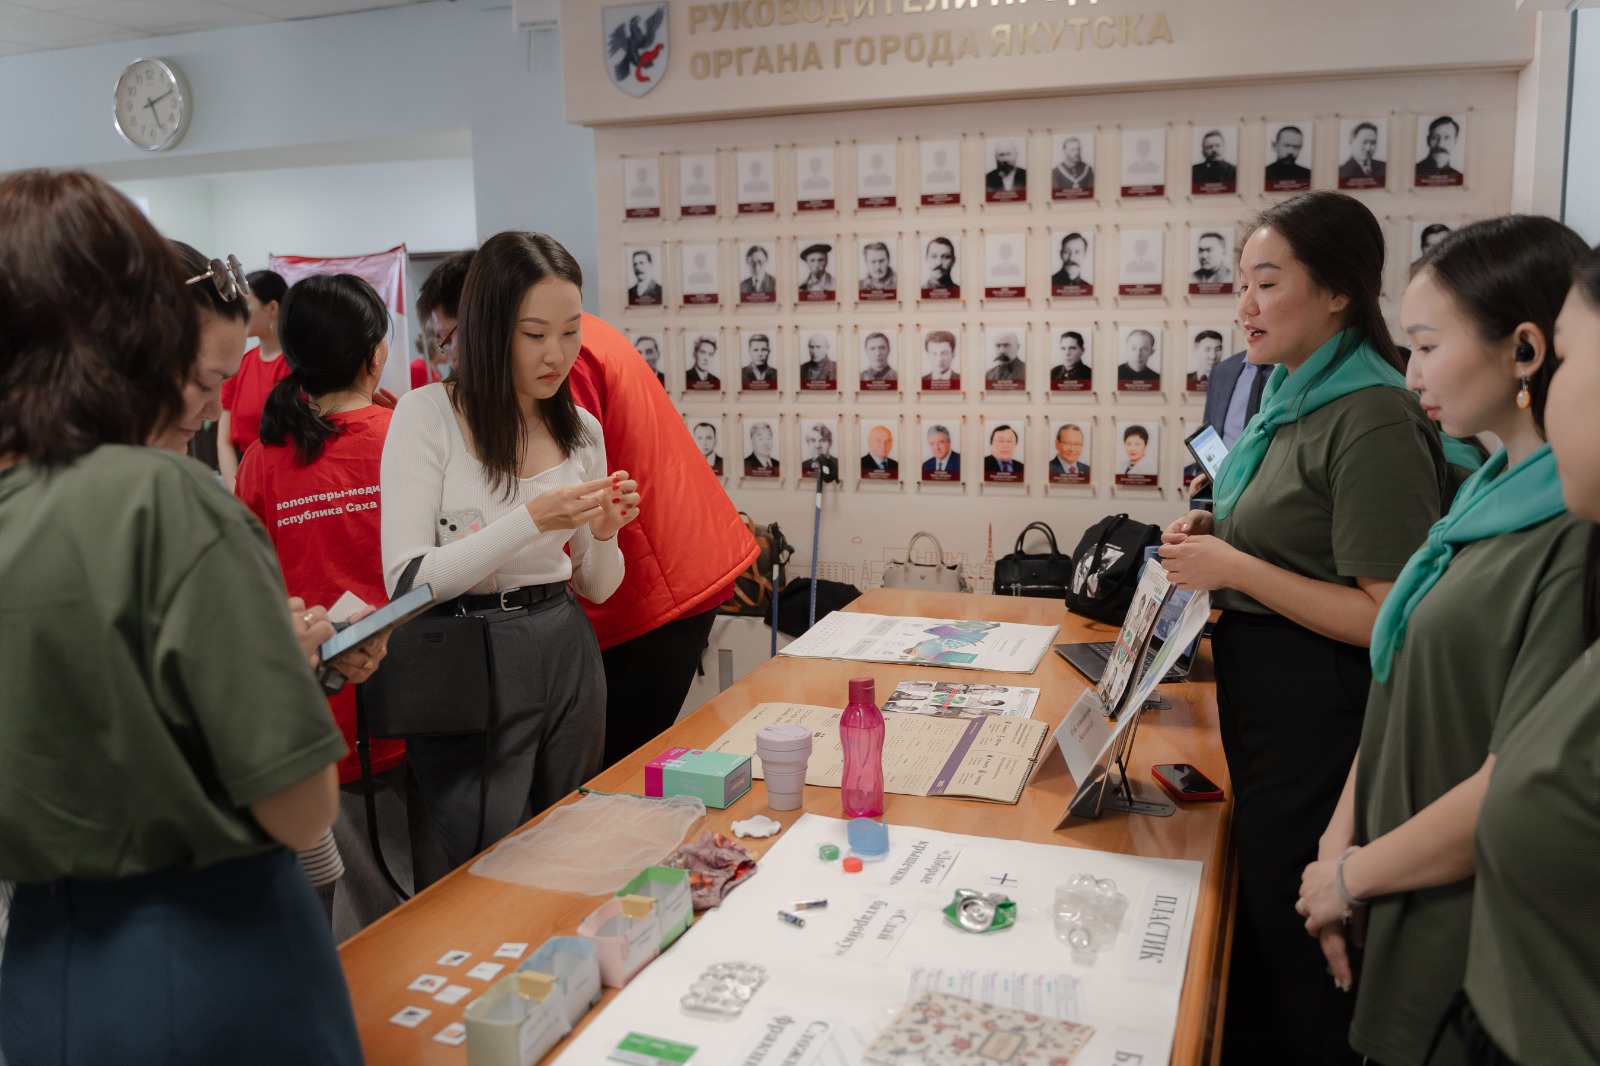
(1106, 565)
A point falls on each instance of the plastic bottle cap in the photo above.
(828, 852)
(863, 690)
(852, 865)
(783, 736)
(868, 838)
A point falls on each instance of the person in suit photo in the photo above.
(1069, 452)
(1008, 363)
(819, 445)
(705, 435)
(759, 370)
(758, 280)
(1287, 145)
(1136, 443)
(1207, 354)
(1141, 347)
(705, 360)
(876, 359)
(1212, 168)
(1072, 367)
(880, 442)
(761, 458)
(940, 344)
(645, 288)
(1443, 132)
(943, 458)
(818, 278)
(1006, 174)
(1002, 452)
(1211, 260)
(1074, 251)
(941, 261)
(651, 350)
(879, 273)
(818, 365)
(1361, 162)
(1072, 172)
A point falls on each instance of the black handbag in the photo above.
(436, 680)
(1021, 574)
(1106, 566)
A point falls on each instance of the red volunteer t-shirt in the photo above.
(423, 372)
(323, 519)
(245, 394)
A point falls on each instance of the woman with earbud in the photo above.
(1323, 498)
(245, 394)
(1533, 963)
(1480, 624)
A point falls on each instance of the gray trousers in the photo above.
(545, 735)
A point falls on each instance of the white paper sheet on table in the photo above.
(1006, 647)
(835, 984)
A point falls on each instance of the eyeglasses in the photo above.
(227, 277)
(443, 343)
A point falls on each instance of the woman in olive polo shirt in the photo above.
(1533, 967)
(1318, 506)
(1479, 626)
(150, 774)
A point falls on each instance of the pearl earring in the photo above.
(1524, 397)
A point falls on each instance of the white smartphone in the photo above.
(453, 526)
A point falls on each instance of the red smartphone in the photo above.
(1185, 782)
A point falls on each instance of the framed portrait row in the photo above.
(932, 359)
(993, 448)
(811, 180)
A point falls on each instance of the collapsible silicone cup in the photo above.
(784, 749)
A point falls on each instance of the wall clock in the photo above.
(152, 105)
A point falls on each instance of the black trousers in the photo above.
(647, 680)
(1291, 704)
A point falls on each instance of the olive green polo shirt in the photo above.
(1533, 966)
(1486, 642)
(152, 688)
(1346, 491)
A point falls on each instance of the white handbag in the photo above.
(925, 577)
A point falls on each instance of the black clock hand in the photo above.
(151, 104)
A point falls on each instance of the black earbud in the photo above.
(1524, 352)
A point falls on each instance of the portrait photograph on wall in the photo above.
(1289, 146)
(1427, 232)
(1005, 181)
(1071, 262)
(940, 172)
(761, 446)
(819, 439)
(1214, 161)
(697, 185)
(817, 284)
(1364, 147)
(1003, 462)
(756, 283)
(650, 346)
(941, 266)
(641, 187)
(819, 369)
(1069, 443)
(702, 361)
(879, 368)
(1005, 259)
(1441, 151)
(758, 370)
(1071, 368)
(754, 176)
(941, 448)
(941, 360)
(1006, 359)
(1140, 367)
(1072, 176)
(642, 273)
(707, 433)
(1144, 163)
(880, 439)
(1208, 346)
(1139, 448)
(1139, 265)
(876, 176)
(877, 279)
(1210, 260)
(813, 179)
(697, 265)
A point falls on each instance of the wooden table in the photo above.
(475, 914)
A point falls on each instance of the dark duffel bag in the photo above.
(1020, 574)
(1105, 568)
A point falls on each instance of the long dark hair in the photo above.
(482, 389)
(205, 293)
(329, 325)
(97, 331)
(1340, 243)
(1507, 271)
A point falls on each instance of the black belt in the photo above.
(515, 599)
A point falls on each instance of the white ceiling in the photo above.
(37, 25)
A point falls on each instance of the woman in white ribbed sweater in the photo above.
(498, 483)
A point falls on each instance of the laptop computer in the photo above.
(1090, 658)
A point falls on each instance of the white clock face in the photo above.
(152, 105)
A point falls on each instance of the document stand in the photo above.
(1103, 791)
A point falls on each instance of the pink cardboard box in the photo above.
(717, 778)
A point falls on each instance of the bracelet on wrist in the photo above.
(1350, 902)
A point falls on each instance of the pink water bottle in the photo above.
(861, 734)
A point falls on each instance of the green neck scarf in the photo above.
(1493, 502)
(1287, 397)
